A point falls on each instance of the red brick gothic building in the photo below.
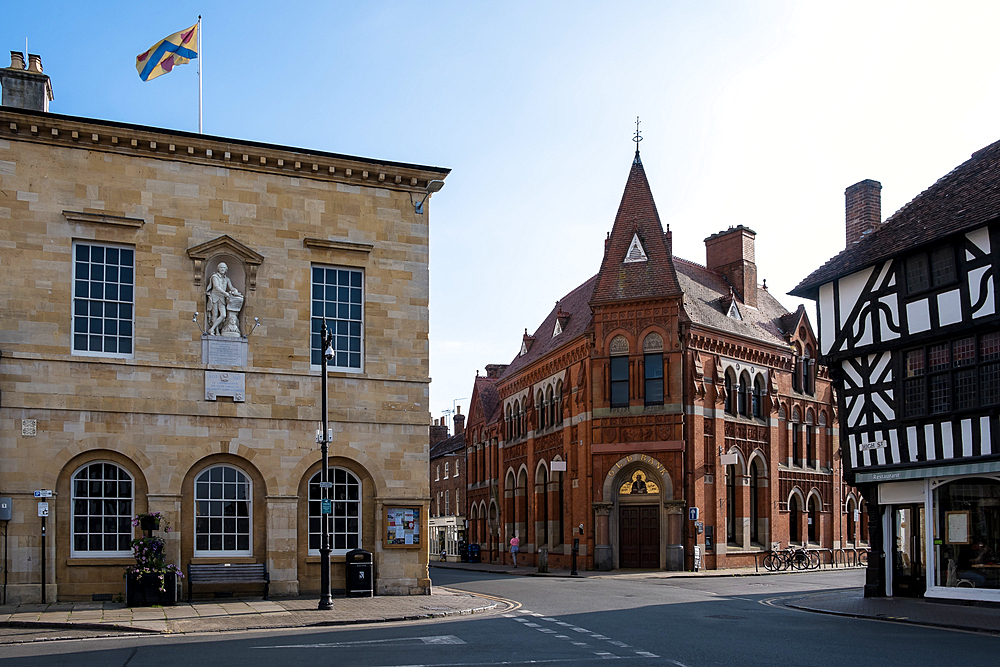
(655, 387)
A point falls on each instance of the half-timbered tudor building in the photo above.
(658, 386)
(908, 318)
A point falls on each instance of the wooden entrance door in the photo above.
(639, 536)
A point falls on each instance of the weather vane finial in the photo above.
(638, 137)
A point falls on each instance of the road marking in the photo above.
(618, 643)
(579, 643)
(599, 637)
(436, 640)
(548, 630)
(532, 625)
(561, 636)
(647, 654)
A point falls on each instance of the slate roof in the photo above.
(489, 398)
(965, 198)
(576, 303)
(707, 300)
(636, 216)
(451, 445)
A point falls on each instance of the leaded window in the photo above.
(961, 374)
(102, 495)
(223, 511)
(653, 364)
(337, 298)
(344, 523)
(103, 299)
(619, 382)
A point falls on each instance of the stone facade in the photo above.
(181, 203)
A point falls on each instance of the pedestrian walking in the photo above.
(515, 546)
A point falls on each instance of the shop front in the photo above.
(943, 533)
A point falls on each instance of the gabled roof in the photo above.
(637, 218)
(965, 198)
(707, 299)
(485, 393)
(576, 304)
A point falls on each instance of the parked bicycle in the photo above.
(791, 558)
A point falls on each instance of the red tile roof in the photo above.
(636, 216)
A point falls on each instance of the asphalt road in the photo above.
(640, 620)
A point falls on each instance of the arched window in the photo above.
(619, 372)
(757, 397)
(851, 524)
(509, 424)
(810, 440)
(550, 401)
(796, 442)
(755, 502)
(344, 524)
(557, 408)
(806, 375)
(814, 519)
(540, 410)
(731, 505)
(102, 495)
(796, 370)
(793, 519)
(744, 394)
(223, 509)
(652, 348)
(730, 406)
(446, 470)
(517, 419)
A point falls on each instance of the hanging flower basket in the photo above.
(150, 522)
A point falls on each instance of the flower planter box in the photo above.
(144, 591)
(149, 523)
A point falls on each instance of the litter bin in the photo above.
(360, 582)
(474, 556)
(463, 552)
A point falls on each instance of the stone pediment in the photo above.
(225, 244)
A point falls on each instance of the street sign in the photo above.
(692, 514)
(43, 509)
(326, 507)
(43, 493)
(326, 485)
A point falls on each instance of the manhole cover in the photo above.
(727, 617)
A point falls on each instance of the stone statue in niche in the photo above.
(224, 304)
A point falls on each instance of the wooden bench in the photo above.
(228, 573)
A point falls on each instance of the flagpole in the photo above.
(201, 60)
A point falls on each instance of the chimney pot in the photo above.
(16, 60)
(25, 88)
(34, 63)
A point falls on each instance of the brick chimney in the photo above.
(493, 371)
(864, 209)
(459, 420)
(731, 253)
(25, 88)
(439, 432)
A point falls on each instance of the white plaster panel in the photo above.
(947, 440)
(981, 238)
(911, 441)
(827, 322)
(984, 430)
(949, 307)
(989, 306)
(854, 452)
(929, 441)
(890, 301)
(894, 445)
(851, 288)
(918, 316)
(966, 437)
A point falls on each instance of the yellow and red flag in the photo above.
(177, 49)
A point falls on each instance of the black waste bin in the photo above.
(463, 552)
(360, 580)
(474, 556)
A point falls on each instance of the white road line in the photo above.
(618, 643)
(532, 625)
(647, 654)
(439, 639)
(561, 636)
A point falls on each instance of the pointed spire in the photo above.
(637, 137)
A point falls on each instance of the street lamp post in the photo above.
(325, 598)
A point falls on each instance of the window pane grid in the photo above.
(222, 511)
(102, 510)
(955, 375)
(104, 283)
(344, 524)
(337, 298)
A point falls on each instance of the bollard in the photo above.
(543, 559)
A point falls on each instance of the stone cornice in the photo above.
(158, 143)
(329, 244)
(102, 219)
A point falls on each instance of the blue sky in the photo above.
(756, 113)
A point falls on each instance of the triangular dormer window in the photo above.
(734, 312)
(526, 342)
(524, 349)
(635, 253)
(557, 329)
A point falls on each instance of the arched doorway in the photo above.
(639, 522)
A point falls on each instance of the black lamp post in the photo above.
(325, 598)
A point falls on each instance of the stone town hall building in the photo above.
(113, 239)
(657, 386)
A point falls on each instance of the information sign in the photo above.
(43, 509)
(326, 507)
(43, 493)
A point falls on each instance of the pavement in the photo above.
(34, 622)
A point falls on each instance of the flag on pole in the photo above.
(177, 49)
